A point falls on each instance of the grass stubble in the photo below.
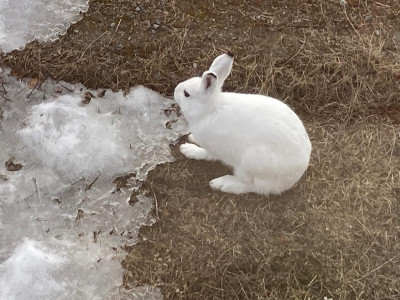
(336, 234)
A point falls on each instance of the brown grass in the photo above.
(336, 234)
(326, 60)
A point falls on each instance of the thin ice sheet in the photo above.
(77, 154)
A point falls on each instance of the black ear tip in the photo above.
(230, 54)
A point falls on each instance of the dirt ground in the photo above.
(336, 234)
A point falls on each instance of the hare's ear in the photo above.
(222, 67)
(209, 82)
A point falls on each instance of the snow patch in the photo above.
(48, 270)
(23, 21)
(32, 270)
(61, 214)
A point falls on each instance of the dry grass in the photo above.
(336, 234)
(346, 78)
(326, 61)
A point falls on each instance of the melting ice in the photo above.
(62, 221)
(22, 21)
(60, 215)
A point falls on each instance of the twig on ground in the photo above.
(115, 32)
(34, 88)
(84, 51)
(36, 188)
(89, 186)
(374, 270)
(67, 88)
(5, 91)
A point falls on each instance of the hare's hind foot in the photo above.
(231, 184)
(195, 152)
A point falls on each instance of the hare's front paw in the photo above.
(191, 138)
(194, 152)
(231, 184)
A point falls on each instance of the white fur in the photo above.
(260, 137)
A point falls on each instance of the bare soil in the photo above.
(336, 233)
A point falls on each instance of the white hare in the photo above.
(260, 137)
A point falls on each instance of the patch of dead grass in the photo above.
(324, 60)
(334, 235)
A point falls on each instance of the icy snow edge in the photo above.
(23, 21)
(62, 202)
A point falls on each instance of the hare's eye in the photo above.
(186, 94)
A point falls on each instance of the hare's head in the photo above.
(199, 91)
